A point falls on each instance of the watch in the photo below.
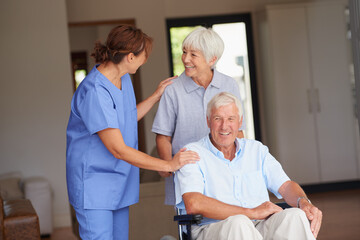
(298, 201)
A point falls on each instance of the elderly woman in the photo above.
(181, 116)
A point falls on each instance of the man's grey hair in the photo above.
(207, 41)
(223, 99)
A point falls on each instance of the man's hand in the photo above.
(313, 214)
(264, 210)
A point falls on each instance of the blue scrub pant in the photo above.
(103, 224)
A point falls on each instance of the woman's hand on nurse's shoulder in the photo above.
(183, 157)
(162, 85)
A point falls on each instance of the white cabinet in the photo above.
(309, 116)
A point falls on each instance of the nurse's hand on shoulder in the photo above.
(162, 85)
(183, 157)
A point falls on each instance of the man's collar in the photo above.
(217, 152)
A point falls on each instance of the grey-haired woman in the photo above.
(181, 116)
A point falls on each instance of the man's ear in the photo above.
(241, 120)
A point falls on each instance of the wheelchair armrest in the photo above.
(196, 218)
(188, 219)
(283, 205)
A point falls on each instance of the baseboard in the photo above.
(334, 186)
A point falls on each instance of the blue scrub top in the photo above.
(95, 178)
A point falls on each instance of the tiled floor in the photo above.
(341, 210)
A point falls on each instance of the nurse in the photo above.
(102, 159)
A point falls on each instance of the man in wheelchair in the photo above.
(229, 185)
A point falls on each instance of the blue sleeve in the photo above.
(165, 119)
(274, 174)
(189, 178)
(97, 110)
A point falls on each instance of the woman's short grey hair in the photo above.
(207, 41)
(223, 99)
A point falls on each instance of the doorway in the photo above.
(237, 60)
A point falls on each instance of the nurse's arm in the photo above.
(144, 107)
(114, 142)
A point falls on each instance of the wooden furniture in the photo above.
(18, 220)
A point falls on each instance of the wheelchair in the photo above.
(186, 221)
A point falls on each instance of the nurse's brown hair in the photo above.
(121, 41)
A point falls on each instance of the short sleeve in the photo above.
(188, 179)
(165, 119)
(98, 111)
(274, 174)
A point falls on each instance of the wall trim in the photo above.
(334, 186)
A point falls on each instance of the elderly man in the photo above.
(228, 186)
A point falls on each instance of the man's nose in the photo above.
(224, 123)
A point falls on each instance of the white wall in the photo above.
(35, 92)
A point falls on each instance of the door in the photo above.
(315, 119)
(335, 115)
(295, 123)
